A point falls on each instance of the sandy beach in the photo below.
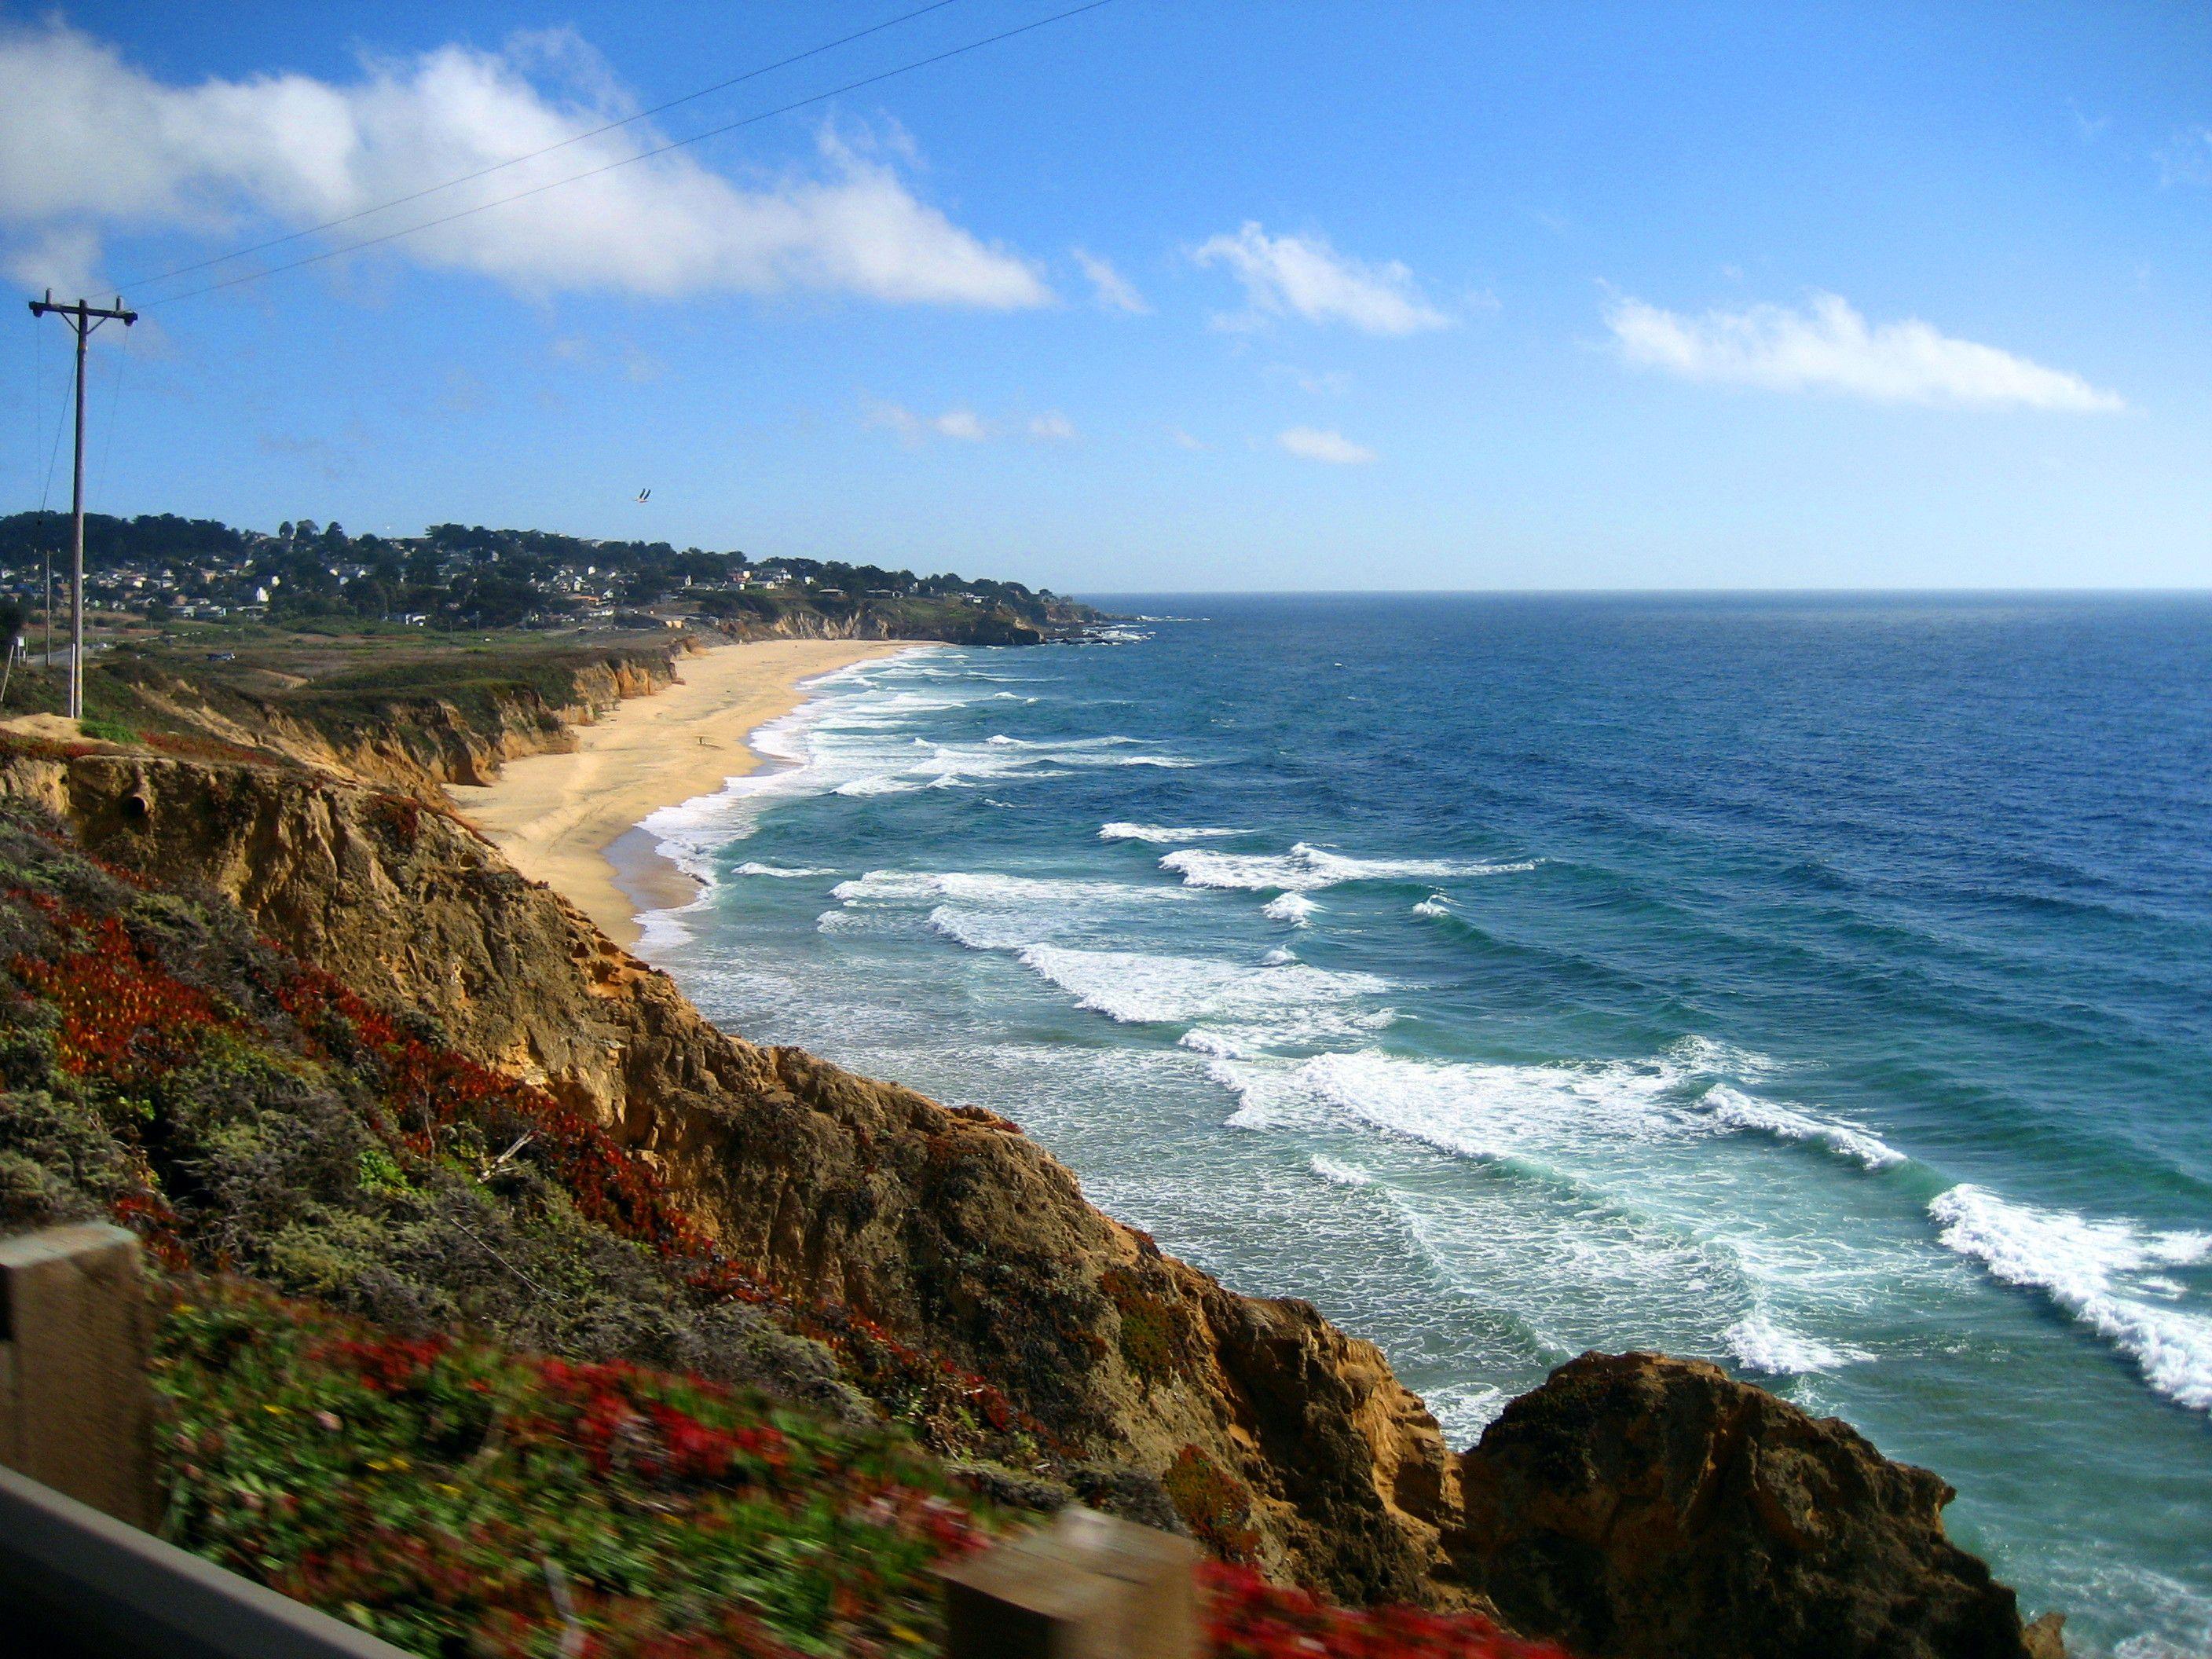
(559, 816)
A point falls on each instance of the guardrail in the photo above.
(78, 1584)
(80, 1578)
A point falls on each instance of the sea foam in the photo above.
(1338, 1173)
(876, 786)
(1734, 1110)
(1484, 1112)
(1760, 1345)
(2094, 1271)
(1307, 868)
(1136, 989)
(1158, 834)
(1039, 894)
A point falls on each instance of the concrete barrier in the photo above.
(1087, 1587)
(77, 1410)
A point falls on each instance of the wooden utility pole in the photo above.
(83, 319)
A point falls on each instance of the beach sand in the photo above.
(570, 820)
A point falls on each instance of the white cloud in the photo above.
(1829, 347)
(1113, 291)
(957, 423)
(90, 144)
(1313, 444)
(1304, 276)
(1183, 440)
(1053, 427)
(64, 258)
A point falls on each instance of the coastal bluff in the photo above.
(1631, 1505)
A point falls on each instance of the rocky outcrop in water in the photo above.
(1646, 1508)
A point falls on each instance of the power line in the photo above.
(643, 155)
(517, 160)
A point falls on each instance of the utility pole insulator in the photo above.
(83, 318)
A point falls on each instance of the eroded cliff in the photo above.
(457, 720)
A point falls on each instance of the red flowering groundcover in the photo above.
(1248, 1618)
(453, 1498)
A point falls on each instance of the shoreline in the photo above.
(573, 820)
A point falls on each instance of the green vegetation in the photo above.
(1213, 1503)
(1149, 1324)
(448, 1496)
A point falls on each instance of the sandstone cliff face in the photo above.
(867, 623)
(1275, 1433)
(415, 740)
(419, 743)
(1640, 1506)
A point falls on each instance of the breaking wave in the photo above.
(1732, 1109)
(1159, 833)
(1135, 989)
(1760, 1345)
(2099, 1271)
(1307, 868)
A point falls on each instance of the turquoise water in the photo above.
(1819, 985)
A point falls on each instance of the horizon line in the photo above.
(2204, 591)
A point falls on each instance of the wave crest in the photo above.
(1307, 868)
(2092, 1270)
(1158, 834)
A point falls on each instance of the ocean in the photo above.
(1817, 985)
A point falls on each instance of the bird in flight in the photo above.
(643, 494)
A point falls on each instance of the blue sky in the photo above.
(1163, 296)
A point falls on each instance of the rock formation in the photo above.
(1644, 1507)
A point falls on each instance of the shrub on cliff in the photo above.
(163, 1065)
(450, 1497)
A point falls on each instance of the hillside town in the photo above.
(161, 567)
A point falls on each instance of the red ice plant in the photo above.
(430, 1089)
(123, 1017)
(1248, 1618)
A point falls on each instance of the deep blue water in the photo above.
(1821, 985)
